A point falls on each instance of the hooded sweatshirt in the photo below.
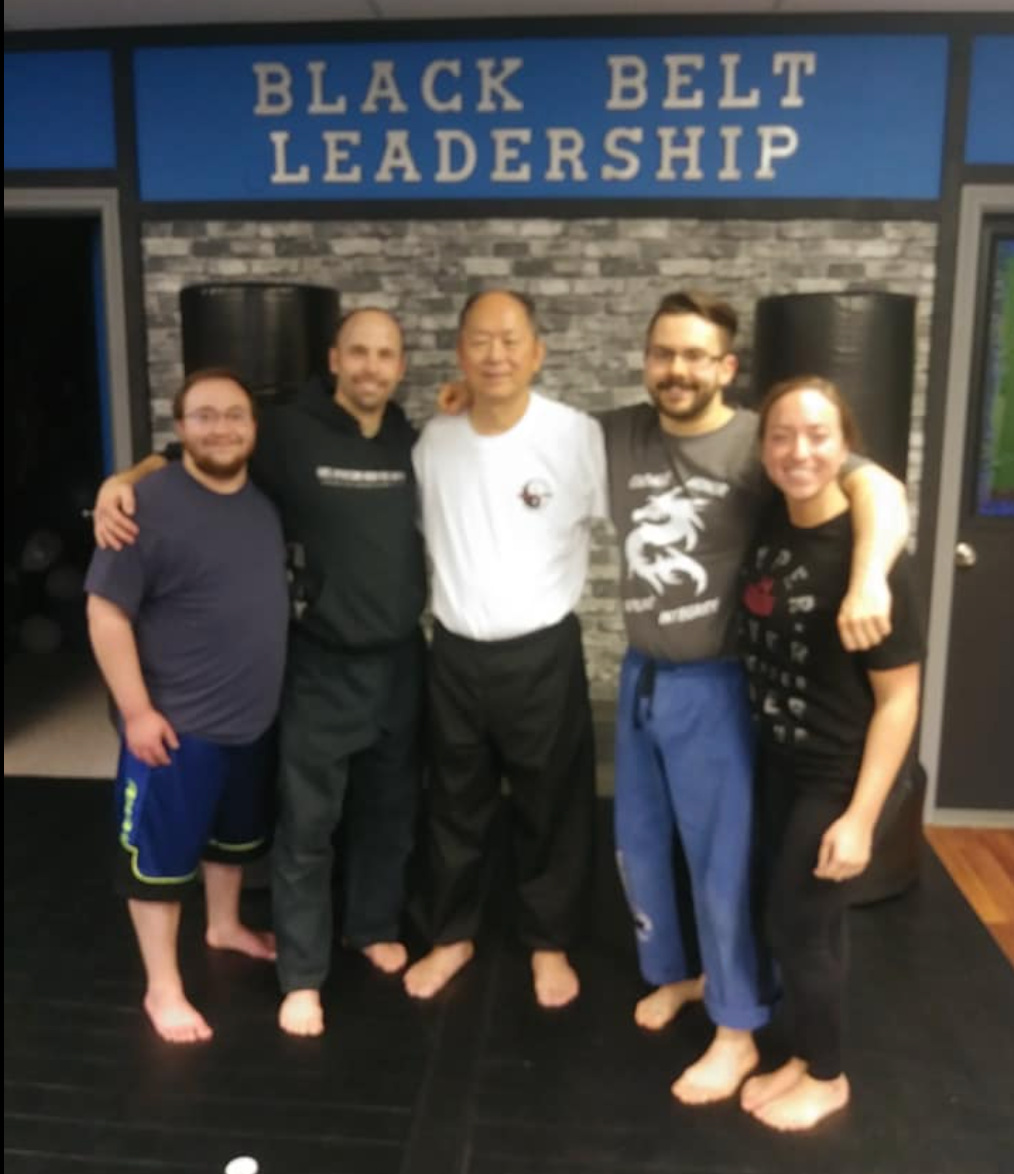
(348, 510)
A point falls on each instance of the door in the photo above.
(974, 572)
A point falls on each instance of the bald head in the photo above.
(368, 314)
(368, 362)
(522, 301)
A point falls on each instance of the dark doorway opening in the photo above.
(55, 441)
(53, 422)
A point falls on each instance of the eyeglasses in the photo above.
(209, 417)
(692, 356)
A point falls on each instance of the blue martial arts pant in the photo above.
(684, 773)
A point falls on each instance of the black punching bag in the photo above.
(274, 335)
(864, 342)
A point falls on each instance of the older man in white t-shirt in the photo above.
(508, 490)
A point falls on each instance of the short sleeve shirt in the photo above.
(811, 697)
(205, 587)
(685, 510)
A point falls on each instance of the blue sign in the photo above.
(990, 137)
(58, 111)
(638, 118)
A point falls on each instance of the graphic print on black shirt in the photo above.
(778, 598)
(810, 696)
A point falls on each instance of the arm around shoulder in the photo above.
(879, 508)
(113, 518)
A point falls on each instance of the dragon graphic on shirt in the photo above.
(665, 528)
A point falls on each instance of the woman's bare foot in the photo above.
(431, 974)
(254, 943)
(805, 1104)
(758, 1090)
(301, 1013)
(720, 1071)
(175, 1018)
(556, 981)
(390, 957)
(662, 1006)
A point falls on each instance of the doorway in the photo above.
(969, 686)
(63, 429)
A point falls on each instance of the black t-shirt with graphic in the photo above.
(812, 699)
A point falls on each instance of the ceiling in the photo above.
(53, 15)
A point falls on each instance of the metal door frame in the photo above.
(104, 204)
(977, 202)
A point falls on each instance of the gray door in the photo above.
(975, 771)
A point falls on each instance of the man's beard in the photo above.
(218, 470)
(703, 398)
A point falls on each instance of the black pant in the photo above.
(806, 916)
(516, 708)
(367, 777)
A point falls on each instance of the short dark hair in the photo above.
(350, 314)
(830, 391)
(703, 305)
(203, 373)
(523, 300)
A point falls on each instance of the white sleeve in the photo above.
(595, 462)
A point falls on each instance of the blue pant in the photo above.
(684, 769)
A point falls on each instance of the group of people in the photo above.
(742, 617)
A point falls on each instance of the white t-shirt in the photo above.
(507, 518)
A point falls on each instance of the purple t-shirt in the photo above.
(206, 589)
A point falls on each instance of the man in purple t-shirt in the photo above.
(189, 628)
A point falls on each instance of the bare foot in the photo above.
(556, 981)
(254, 943)
(805, 1104)
(175, 1018)
(720, 1071)
(662, 1006)
(301, 1013)
(431, 974)
(758, 1090)
(390, 957)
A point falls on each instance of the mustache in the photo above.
(675, 384)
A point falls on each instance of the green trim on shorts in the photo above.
(126, 827)
(248, 847)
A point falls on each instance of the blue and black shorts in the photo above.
(212, 802)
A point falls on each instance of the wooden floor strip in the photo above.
(981, 863)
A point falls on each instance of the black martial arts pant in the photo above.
(518, 709)
(348, 750)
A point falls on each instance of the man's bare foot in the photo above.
(431, 974)
(254, 943)
(390, 957)
(301, 1013)
(175, 1018)
(662, 1006)
(720, 1071)
(758, 1090)
(805, 1104)
(556, 981)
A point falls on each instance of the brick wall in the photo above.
(595, 281)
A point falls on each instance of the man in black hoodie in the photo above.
(337, 464)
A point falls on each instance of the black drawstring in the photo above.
(644, 691)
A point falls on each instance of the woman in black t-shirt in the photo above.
(835, 728)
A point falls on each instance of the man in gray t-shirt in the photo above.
(686, 493)
(189, 626)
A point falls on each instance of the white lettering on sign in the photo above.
(675, 153)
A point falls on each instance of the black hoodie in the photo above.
(348, 509)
